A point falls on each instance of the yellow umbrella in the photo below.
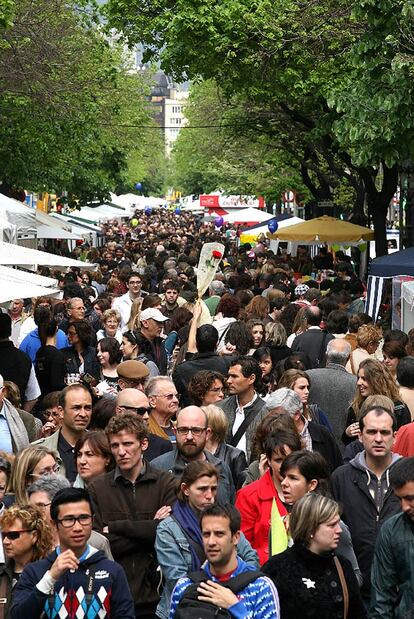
(324, 230)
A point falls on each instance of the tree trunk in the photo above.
(378, 203)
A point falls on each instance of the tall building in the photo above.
(168, 104)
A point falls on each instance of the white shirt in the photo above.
(238, 420)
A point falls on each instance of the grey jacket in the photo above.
(229, 406)
(173, 462)
(174, 557)
(333, 389)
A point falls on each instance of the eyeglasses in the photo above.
(68, 521)
(14, 534)
(167, 396)
(49, 471)
(140, 410)
(196, 431)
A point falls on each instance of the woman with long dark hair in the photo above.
(49, 362)
(80, 356)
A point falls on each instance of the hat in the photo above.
(155, 314)
(132, 370)
(301, 290)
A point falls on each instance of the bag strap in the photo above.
(223, 334)
(351, 359)
(235, 584)
(234, 441)
(343, 585)
(198, 549)
(321, 349)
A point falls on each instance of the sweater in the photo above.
(110, 596)
(259, 599)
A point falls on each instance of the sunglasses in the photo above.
(139, 410)
(14, 534)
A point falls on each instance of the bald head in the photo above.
(192, 412)
(338, 351)
(132, 397)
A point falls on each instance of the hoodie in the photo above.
(376, 487)
(37, 595)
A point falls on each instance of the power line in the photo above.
(165, 127)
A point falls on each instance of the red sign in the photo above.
(209, 201)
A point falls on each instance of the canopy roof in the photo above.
(54, 232)
(18, 214)
(16, 284)
(324, 230)
(398, 263)
(247, 215)
(250, 234)
(18, 255)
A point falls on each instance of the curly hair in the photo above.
(229, 306)
(201, 382)
(23, 466)
(380, 380)
(367, 334)
(32, 520)
(288, 315)
(128, 422)
(111, 313)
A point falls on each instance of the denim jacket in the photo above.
(174, 558)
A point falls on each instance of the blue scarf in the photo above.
(186, 518)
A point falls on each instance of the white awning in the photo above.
(18, 255)
(18, 214)
(17, 275)
(16, 284)
(54, 232)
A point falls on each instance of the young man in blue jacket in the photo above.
(220, 527)
(74, 576)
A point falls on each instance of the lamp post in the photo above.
(406, 203)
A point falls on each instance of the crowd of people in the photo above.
(247, 454)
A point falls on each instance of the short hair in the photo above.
(51, 484)
(152, 384)
(111, 313)
(402, 472)
(72, 290)
(73, 300)
(394, 349)
(127, 422)
(111, 346)
(228, 305)
(227, 511)
(69, 388)
(99, 445)
(405, 372)
(51, 400)
(32, 520)
(132, 274)
(206, 338)
(248, 366)
(308, 514)
(340, 357)
(285, 398)
(313, 316)
(310, 464)
(367, 334)
(337, 322)
(102, 411)
(201, 382)
(172, 284)
(378, 410)
(192, 472)
(373, 401)
(68, 495)
(396, 335)
(217, 422)
(280, 438)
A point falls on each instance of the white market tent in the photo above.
(246, 215)
(31, 258)
(8, 231)
(18, 214)
(49, 232)
(17, 275)
(16, 284)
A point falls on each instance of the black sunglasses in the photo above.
(14, 534)
(140, 410)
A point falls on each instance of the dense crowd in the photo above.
(247, 454)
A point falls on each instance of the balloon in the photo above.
(134, 222)
(218, 222)
(273, 226)
(177, 210)
(138, 186)
(148, 210)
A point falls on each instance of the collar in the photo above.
(83, 556)
(314, 329)
(305, 427)
(64, 446)
(118, 474)
(241, 408)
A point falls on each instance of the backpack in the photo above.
(192, 608)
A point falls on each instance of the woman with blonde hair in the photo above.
(373, 379)
(276, 337)
(307, 573)
(111, 319)
(368, 339)
(216, 444)
(26, 538)
(29, 464)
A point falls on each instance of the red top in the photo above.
(254, 503)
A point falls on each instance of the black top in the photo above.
(50, 369)
(15, 366)
(67, 452)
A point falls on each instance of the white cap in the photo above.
(155, 314)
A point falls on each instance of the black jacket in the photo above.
(15, 366)
(185, 371)
(309, 586)
(236, 461)
(324, 442)
(156, 447)
(72, 361)
(350, 489)
(313, 342)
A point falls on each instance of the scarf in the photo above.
(18, 432)
(187, 520)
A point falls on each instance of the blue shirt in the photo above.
(5, 436)
(31, 343)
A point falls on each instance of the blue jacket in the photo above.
(31, 343)
(259, 600)
(174, 557)
(111, 595)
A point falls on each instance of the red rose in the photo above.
(217, 254)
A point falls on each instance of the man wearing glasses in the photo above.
(75, 578)
(123, 304)
(164, 402)
(134, 401)
(191, 432)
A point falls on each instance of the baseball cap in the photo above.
(132, 370)
(155, 314)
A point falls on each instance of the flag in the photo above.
(278, 535)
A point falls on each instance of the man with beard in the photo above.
(191, 435)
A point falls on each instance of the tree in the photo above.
(285, 58)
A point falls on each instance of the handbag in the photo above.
(343, 585)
